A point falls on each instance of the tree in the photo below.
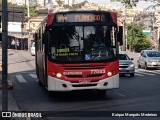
(156, 5)
(127, 3)
(137, 41)
(60, 3)
(79, 5)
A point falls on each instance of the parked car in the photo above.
(149, 59)
(126, 65)
(33, 49)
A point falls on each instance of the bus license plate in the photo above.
(84, 82)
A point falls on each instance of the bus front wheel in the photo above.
(40, 83)
(101, 92)
(53, 93)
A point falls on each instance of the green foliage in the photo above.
(60, 3)
(74, 6)
(128, 3)
(78, 6)
(136, 39)
(67, 6)
(142, 45)
(33, 11)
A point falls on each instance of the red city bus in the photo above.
(78, 50)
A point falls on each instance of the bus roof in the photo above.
(85, 11)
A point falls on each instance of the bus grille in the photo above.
(84, 85)
(80, 76)
(84, 67)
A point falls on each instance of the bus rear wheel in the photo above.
(40, 83)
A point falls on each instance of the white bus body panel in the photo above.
(55, 84)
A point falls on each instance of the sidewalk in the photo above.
(12, 106)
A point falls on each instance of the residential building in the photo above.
(9, 1)
(42, 2)
(69, 2)
(22, 2)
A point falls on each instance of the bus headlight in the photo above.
(58, 75)
(109, 73)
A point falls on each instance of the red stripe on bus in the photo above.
(50, 18)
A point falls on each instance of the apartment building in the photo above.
(22, 2)
(66, 2)
(69, 2)
(42, 2)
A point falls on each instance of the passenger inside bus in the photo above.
(82, 43)
(101, 48)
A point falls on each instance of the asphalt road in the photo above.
(139, 93)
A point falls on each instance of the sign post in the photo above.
(4, 56)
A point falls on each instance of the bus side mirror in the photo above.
(120, 35)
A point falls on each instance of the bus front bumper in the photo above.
(55, 84)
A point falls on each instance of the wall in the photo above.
(13, 27)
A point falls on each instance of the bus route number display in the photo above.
(80, 18)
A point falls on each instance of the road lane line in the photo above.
(145, 73)
(138, 74)
(33, 75)
(20, 79)
(121, 95)
(155, 72)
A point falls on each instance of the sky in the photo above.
(94, 1)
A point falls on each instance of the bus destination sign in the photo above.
(80, 17)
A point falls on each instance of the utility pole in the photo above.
(4, 56)
(124, 30)
(44, 3)
(28, 15)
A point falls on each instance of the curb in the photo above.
(10, 85)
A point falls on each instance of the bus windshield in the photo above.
(82, 43)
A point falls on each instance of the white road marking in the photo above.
(138, 74)
(28, 72)
(122, 95)
(33, 75)
(145, 73)
(20, 79)
(155, 72)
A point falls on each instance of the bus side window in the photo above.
(44, 37)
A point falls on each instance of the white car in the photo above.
(33, 49)
(126, 65)
(149, 59)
